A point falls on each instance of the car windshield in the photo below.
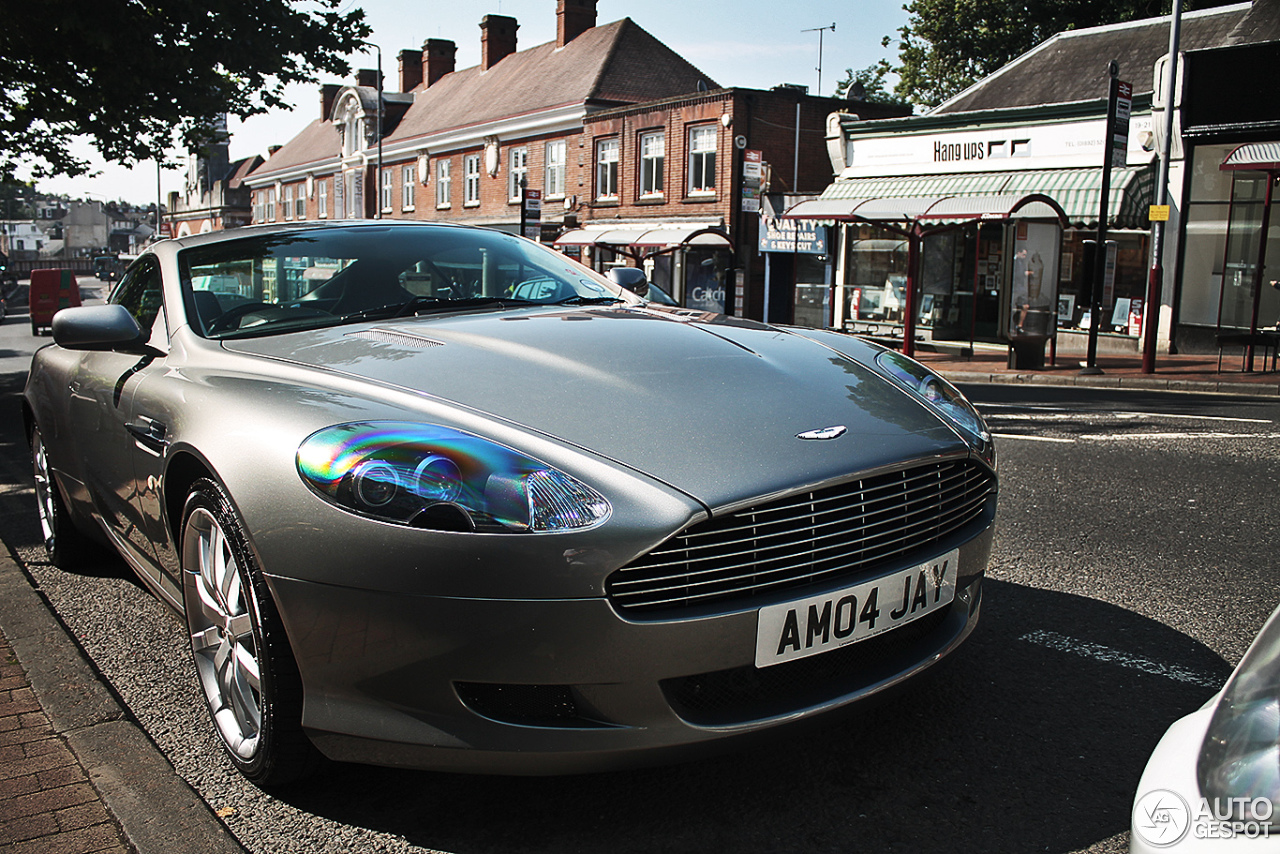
(281, 282)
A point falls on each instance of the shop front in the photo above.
(688, 262)
(943, 268)
(999, 208)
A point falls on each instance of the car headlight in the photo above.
(1240, 757)
(942, 396)
(435, 477)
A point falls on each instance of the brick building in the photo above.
(456, 144)
(616, 132)
(215, 196)
(673, 187)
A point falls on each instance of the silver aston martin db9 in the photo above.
(441, 497)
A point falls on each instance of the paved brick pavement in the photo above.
(47, 804)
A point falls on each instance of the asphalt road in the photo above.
(1133, 565)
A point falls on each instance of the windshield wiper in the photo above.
(421, 304)
(581, 300)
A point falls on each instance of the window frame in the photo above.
(651, 166)
(471, 180)
(702, 160)
(444, 179)
(517, 172)
(408, 180)
(322, 199)
(554, 173)
(386, 190)
(607, 170)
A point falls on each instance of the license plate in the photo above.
(809, 626)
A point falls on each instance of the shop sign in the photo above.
(752, 172)
(792, 235)
(1120, 138)
(531, 219)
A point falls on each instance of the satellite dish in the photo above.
(702, 85)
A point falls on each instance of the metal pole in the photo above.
(378, 214)
(1100, 259)
(819, 30)
(1257, 276)
(1150, 328)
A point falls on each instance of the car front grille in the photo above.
(832, 533)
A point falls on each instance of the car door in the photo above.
(114, 443)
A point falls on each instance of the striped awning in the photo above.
(1077, 191)
(1257, 156)
(645, 237)
(906, 210)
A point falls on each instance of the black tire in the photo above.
(258, 718)
(65, 545)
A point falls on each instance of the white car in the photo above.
(1213, 782)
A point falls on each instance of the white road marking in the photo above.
(1034, 438)
(1060, 413)
(1182, 435)
(1098, 652)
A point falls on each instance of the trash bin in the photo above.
(1027, 353)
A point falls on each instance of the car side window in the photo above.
(140, 292)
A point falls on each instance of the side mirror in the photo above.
(98, 327)
(631, 278)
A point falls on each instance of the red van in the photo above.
(51, 290)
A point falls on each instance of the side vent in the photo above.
(391, 336)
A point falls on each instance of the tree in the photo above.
(870, 82)
(948, 45)
(131, 75)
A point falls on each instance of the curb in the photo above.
(157, 811)
(1113, 382)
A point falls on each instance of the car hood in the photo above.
(708, 404)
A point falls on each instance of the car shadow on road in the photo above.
(994, 752)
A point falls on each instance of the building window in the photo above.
(288, 203)
(385, 190)
(408, 177)
(300, 204)
(702, 160)
(322, 199)
(607, 169)
(471, 179)
(652, 153)
(259, 206)
(271, 205)
(443, 174)
(518, 170)
(553, 183)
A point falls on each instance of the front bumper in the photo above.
(568, 685)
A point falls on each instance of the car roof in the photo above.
(213, 237)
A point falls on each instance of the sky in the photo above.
(754, 44)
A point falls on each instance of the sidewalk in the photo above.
(77, 775)
(1198, 373)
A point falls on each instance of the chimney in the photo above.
(367, 77)
(573, 18)
(410, 69)
(497, 39)
(438, 57)
(272, 149)
(328, 93)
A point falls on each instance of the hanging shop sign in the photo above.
(804, 236)
(752, 174)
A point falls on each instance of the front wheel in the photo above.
(246, 669)
(65, 545)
